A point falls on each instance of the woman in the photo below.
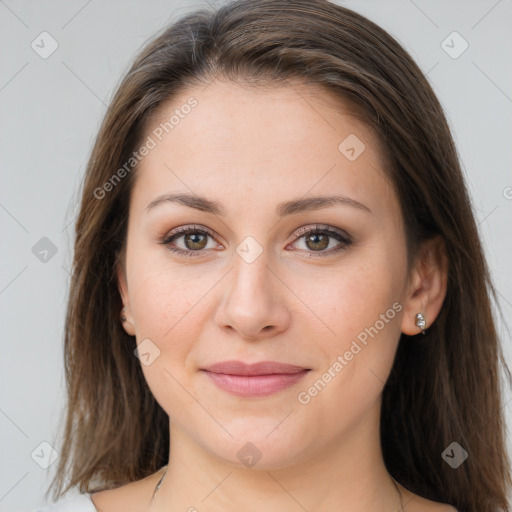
(279, 299)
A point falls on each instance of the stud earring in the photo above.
(123, 317)
(420, 322)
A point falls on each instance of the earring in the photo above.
(123, 317)
(420, 322)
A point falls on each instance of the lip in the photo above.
(252, 380)
(233, 367)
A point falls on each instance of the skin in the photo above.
(250, 149)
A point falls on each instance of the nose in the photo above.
(254, 304)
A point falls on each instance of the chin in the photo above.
(259, 444)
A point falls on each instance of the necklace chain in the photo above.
(159, 484)
(399, 494)
(166, 468)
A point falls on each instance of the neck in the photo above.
(347, 475)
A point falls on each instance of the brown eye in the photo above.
(317, 241)
(195, 241)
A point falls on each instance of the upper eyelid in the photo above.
(322, 228)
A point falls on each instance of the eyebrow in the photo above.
(283, 209)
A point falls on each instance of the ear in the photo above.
(122, 286)
(427, 285)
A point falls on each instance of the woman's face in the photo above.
(251, 284)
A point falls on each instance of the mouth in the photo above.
(254, 380)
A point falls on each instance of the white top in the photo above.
(82, 503)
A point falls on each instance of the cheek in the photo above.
(166, 309)
(362, 305)
(356, 297)
(165, 297)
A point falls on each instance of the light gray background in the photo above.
(51, 110)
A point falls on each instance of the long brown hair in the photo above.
(444, 387)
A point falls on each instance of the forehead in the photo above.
(229, 112)
(269, 143)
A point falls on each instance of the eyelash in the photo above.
(318, 229)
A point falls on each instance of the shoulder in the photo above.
(415, 503)
(82, 503)
(424, 505)
(440, 507)
(430, 506)
(133, 496)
